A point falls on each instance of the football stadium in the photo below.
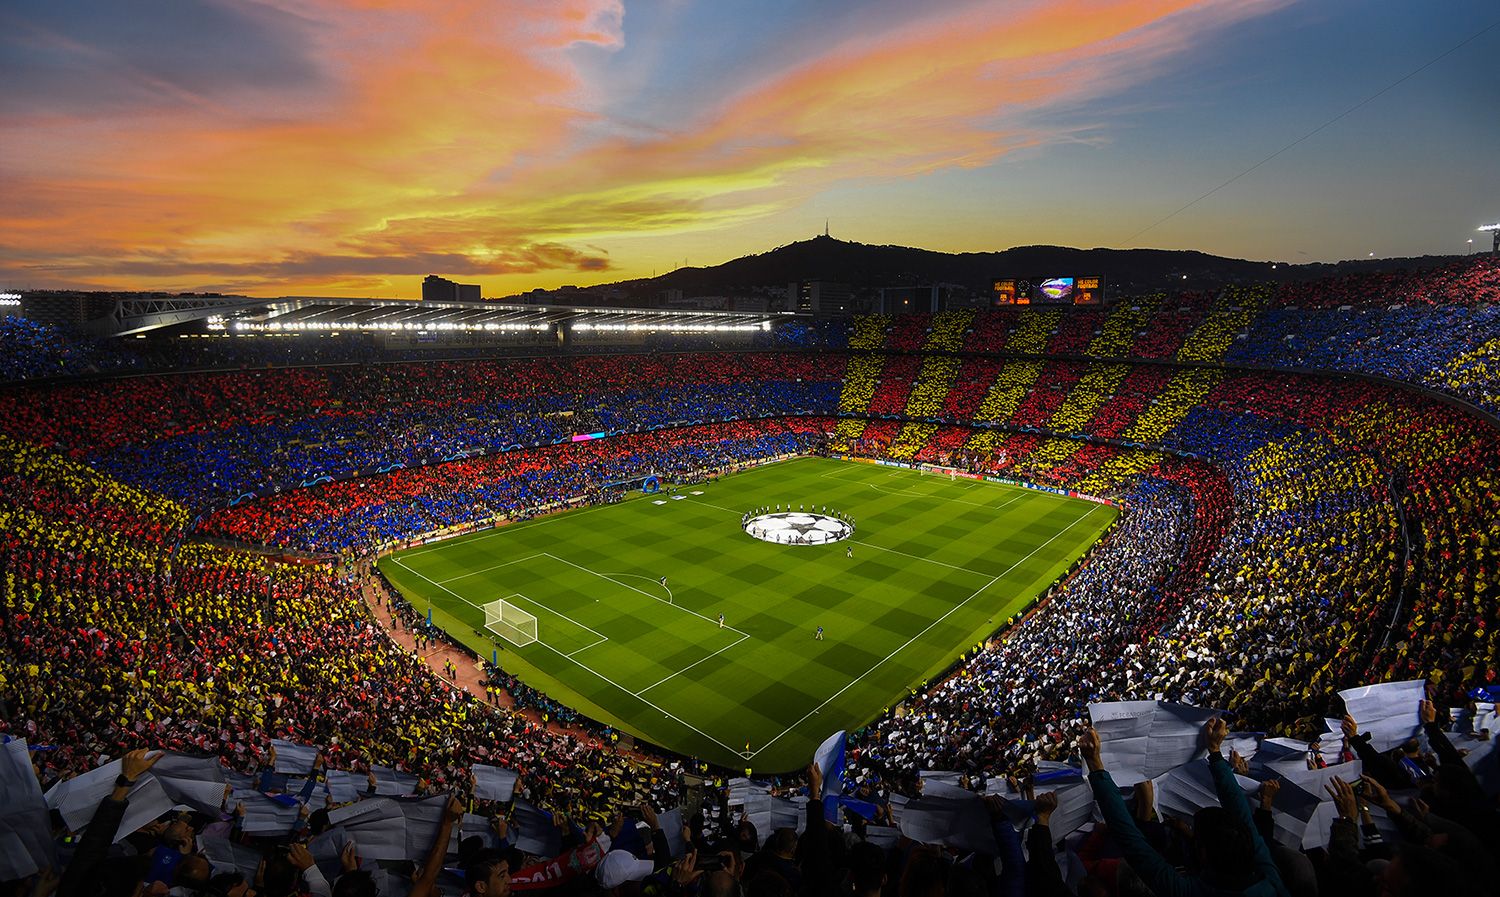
(931, 565)
(418, 477)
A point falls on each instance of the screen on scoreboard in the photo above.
(1047, 291)
(1057, 290)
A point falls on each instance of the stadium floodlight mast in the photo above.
(1494, 230)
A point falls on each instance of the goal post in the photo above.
(510, 622)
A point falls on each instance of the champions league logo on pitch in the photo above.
(798, 527)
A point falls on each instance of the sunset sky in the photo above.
(348, 147)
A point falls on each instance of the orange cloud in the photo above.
(448, 138)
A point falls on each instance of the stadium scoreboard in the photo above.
(1047, 291)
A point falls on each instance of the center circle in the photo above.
(798, 528)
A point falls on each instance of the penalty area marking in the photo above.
(480, 607)
(585, 666)
(482, 570)
(640, 591)
(691, 665)
(670, 597)
(889, 490)
(535, 603)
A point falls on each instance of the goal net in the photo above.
(510, 622)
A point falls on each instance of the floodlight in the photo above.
(1490, 227)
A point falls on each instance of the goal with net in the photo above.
(510, 622)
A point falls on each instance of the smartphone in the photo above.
(710, 863)
(164, 861)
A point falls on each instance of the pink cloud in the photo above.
(450, 134)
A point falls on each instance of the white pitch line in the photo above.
(1012, 501)
(838, 474)
(512, 595)
(639, 591)
(570, 513)
(915, 494)
(498, 530)
(585, 647)
(918, 557)
(650, 704)
(558, 613)
(485, 569)
(670, 597)
(580, 663)
(924, 631)
(691, 665)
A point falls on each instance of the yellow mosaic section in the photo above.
(1120, 329)
(869, 332)
(1052, 452)
(1231, 313)
(1115, 471)
(984, 441)
(948, 329)
(1093, 389)
(1034, 331)
(1477, 368)
(1383, 423)
(1186, 389)
(1010, 387)
(1083, 401)
(860, 380)
(41, 465)
(910, 440)
(848, 430)
(933, 382)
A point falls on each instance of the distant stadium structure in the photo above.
(441, 289)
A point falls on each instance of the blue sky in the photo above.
(349, 146)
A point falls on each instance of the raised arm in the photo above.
(425, 884)
(102, 828)
(1375, 764)
(1232, 798)
(1153, 869)
(1043, 877)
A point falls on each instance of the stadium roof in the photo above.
(315, 313)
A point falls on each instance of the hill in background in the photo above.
(868, 267)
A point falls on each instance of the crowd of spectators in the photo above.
(1220, 813)
(908, 332)
(1450, 348)
(1285, 536)
(861, 378)
(1297, 567)
(949, 329)
(1075, 331)
(930, 390)
(1011, 387)
(364, 514)
(969, 387)
(1468, 281)
(31, 350)
(207, 439)
(1047, 393)
(895, 385)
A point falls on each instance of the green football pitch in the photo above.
(938, 566)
